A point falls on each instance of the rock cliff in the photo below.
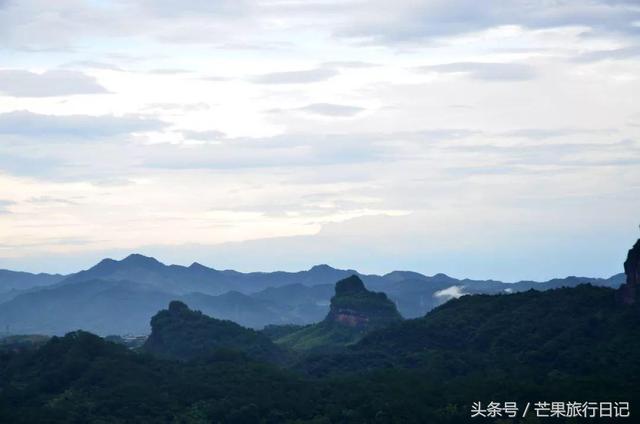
(628, 292)
(355, 306)
(355, 311)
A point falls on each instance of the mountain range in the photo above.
(120, 297)
(363, 363)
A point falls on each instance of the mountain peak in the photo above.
(140, 260)
(175, 306)
(350, 285)
(440, 277)
(321, 268)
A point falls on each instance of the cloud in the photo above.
(185, 107)
(452, 292)
(332, 110)
(407, 21)
(169, 71)
(50, 200)
(215, 78)
(21, 83)
(632, 52)
(222, 8)
(296, 77)
(291, 151)
(31, 164)
(92, 64)
(37, 24)
(545, 133)
(3, 206)
(486, 71)
(50, 242)
(29, 124)
(350, 64)
(203, 135)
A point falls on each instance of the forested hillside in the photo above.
(566, 344)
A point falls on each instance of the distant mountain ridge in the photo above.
(25, 280)
(120, 296)
(199, 278)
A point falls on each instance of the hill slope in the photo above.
(180, 333)
(576, 331)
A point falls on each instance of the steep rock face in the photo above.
(355, 311)
(628, 292)
(355, 306)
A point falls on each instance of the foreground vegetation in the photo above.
(566, 344)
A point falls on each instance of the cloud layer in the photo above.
(486, 71)
(482, 139)
(47, 127)
(21, 83)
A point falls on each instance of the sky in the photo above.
(496, 139)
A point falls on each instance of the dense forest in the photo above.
(571, 344)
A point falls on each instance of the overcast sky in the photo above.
(494, 139)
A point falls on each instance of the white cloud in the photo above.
(332, 110)
(407, 21)
(452, 292)
(210, 135)
(54, 127)
(37, 24)
(296, 77)
(486, 71)
(20, 83)
(623, 53)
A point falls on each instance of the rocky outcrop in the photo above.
(355, 311)
(355, 306)
(628, 292)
